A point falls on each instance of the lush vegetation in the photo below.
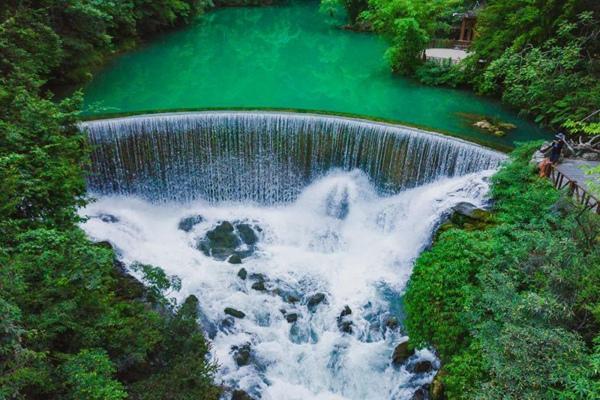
(513, 308)
(540, 57)
(73, 324)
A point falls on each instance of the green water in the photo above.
(284, 57)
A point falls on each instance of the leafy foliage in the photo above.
(552, 81)
(73, 325)
(513, 309)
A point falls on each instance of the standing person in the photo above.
(555, 152)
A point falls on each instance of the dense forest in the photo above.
(518, 314)
(74, 325)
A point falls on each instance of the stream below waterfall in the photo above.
(341, 238)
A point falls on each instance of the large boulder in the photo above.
(220, 242)
(402, 352)
(229, 242)
(242, 274)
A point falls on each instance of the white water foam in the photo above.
(340, 238)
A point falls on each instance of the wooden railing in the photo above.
(448, 44)
(581, 195)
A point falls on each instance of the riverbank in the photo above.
(511, 306)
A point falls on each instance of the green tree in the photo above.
(89, 375)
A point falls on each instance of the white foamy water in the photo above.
(340, 238)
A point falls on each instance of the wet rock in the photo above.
(234, 313)
(242, 273)
(345, 326)
(290, 298)
(497, 128)
(234, 259)
(188, 223)
(241, 354)
(466, 216)
(315, 300)
(260, 286)
(220, 242)
(391, 323)
(421, 367)
(240, 395)
(346, 311)
(258, 277)
(247, 234)
(108, 218)
(421, 393)
(227, 324)
(291, 317)
(401, 353)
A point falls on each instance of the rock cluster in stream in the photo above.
(229, 241)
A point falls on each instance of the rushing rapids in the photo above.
(265, 157)
(327, 240)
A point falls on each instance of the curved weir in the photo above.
(265, 157)
(300, 272)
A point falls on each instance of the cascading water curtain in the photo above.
(265, 157)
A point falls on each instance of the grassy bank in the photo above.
(513, 308)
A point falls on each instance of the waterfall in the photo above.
(265, 157)
(361, 201)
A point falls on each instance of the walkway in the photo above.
(440, 55)
(571, 173)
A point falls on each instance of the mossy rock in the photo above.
(220, 242)
(234, 259)
(436, 390)
(242, 274)
(247, 234)
(402, 352)
(234, 313)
